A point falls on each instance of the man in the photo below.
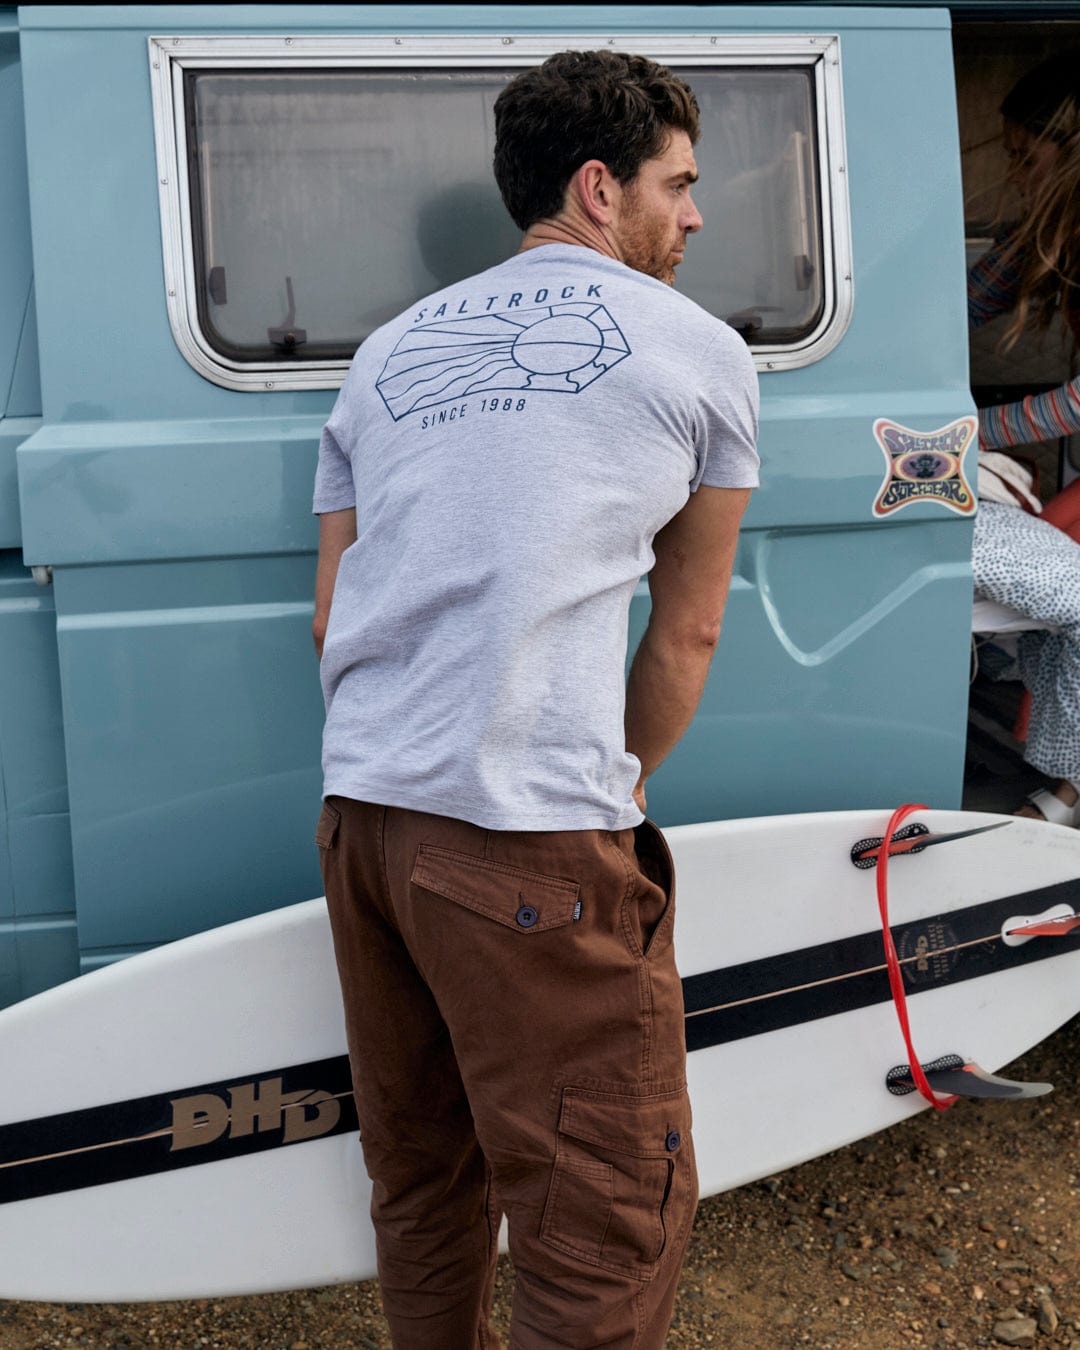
(504, 462)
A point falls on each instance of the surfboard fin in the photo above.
(912, 839)
(961, 1078)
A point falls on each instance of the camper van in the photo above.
(207, 209)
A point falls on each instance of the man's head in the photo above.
(609, 136)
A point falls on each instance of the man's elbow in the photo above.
(690, 640)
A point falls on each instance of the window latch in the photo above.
(288, 336)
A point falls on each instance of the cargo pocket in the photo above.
(623, 1185)
(528, 902)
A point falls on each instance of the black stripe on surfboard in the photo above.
(148, 1135)
(834, 977)
(229, 1119)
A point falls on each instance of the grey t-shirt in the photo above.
(512, 444)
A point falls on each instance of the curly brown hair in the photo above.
(577, 106)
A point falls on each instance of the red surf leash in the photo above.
(939, 1102)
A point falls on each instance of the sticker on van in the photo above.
(924, 466)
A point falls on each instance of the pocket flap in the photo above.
(644, 1127)
(527, 901)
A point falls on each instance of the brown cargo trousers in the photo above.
(515, 1026)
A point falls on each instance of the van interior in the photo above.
(989, 59)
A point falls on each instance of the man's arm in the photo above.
(337, 530)
(695, 553)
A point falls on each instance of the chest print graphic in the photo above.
(557, 348)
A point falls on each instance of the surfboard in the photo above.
(180, 1124)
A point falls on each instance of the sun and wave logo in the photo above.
(557, 348)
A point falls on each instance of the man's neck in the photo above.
(581, 233)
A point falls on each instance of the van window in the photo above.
(319, 202)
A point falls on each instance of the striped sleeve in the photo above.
(1039, 417)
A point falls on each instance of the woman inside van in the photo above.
(1020, 558)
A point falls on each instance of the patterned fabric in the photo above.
(992, 289)
(1022, 561)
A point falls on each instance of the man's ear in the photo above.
(596, 191)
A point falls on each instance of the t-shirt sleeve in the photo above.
(727, 416)
(334, 489)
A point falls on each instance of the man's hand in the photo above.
(695, 553)
(337, 530)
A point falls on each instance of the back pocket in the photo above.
(623, 1185)
(526, 901)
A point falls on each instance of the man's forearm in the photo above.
(666, 681)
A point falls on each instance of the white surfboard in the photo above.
(180, 1124)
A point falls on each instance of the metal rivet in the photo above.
(770, 365)
(172, 292)
(397, 42)
(176, 42)
(269, 384)
(507, 41)
(164, 182)
(713, 41)
(156, 66)
(288, 42)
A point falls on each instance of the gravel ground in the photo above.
(952, 1230)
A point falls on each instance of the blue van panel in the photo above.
(13, 431)
(111, 491)
(285, 18)
(37, 905)
(16, 265)
(24, 396)
(36, 954)
(193, 728)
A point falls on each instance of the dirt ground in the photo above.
(956, 1230)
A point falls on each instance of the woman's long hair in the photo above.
(1045, 245)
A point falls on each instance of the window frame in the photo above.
(171, 58)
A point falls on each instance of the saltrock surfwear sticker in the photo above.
(559, 348)
(924, 466)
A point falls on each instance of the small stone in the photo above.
(1018, 1331)
(1046, 1315)
(1001, 1244)
(853, 1272)
(1008, 1286)
(947, 1257)
(932, 1288)
(977, 1292)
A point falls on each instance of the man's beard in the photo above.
(648, 248)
